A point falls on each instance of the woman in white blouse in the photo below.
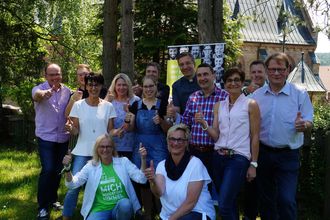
(235, 131)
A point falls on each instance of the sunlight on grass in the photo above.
(19, 174)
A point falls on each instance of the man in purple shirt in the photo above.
(50, 100)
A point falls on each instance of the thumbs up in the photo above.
(199, 116)
(156, 118)
(152, 165)
(69, 124)
(67, 162)
(300, 124)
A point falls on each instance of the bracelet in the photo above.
(207, 126)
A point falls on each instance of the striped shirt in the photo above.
(196, 100)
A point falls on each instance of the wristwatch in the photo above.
(254, 164)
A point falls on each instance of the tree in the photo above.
(126, 38)
(110, 30)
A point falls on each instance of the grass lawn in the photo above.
(19, 173)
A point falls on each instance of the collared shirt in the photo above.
(181, 90)
(198, 100)
(278, 114)
(234, 126)
(50, 119)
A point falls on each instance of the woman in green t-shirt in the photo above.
(109, 193)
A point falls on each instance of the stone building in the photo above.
(269, 28)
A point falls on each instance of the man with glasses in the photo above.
(186, 85)
(286, 113)
(50, 100)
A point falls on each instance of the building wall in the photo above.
(250, 52)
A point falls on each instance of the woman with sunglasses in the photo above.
(109, 193)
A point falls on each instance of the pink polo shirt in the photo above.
(234, 126)
(50, 120)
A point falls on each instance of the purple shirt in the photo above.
(197, 99)
(50, 119)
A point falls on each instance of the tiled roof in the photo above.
(303, 76)
(267, 27)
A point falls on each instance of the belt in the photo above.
(226, 152)
(274, 149)
(202, 147)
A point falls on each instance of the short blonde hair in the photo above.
(96, 158)
(179, 127)
(124, 77)
(82, 66)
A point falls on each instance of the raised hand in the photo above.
(150, 172)
(170, 113)
(77, 95)
(199, 116)
(142, 151)
(69, 125)
(48, 93)
(109, 97)
(156, 118)
(300, 124)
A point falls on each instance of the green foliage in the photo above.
(321, 116)
(231, 35)
(21, 94)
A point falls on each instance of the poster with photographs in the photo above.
(212, 54)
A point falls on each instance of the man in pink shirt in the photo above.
(50, 100)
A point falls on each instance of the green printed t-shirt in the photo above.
(109, 191)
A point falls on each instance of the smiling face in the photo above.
(177, 142)
(277, 72)
(234, 84)
(53, 75)
(153, 72)
(205, 78)
(258, 74)
(104, 150)
(187, 66)
(81, 73)
(93, 89)
(172, 52)
(121, 88)
(149, 88)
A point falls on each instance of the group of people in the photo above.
(207, 141)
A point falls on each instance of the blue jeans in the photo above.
(71, 197)
(122, 211)
(229, 173)
(277, 183)
(51, 155)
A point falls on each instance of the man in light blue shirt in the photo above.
(286, 113)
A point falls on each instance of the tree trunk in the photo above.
(210, 21)
(126, 39)
(110, 30)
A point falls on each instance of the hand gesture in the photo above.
(142, 151)
(170, 111)
(69, 125)
(156, 118)
(48, 93)
(300, 124)
(199, 116)
(137, 89)
(67, 159)
(77, 95)
(150, 172)
(109, 97)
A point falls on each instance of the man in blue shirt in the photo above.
(286, 113)
(186, 85)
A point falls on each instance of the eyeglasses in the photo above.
(53, 74)
(103, 147)
(148, 86)
(186, 63)
(177, 140)
(274, 70)
(93, 84)
(235, 80)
